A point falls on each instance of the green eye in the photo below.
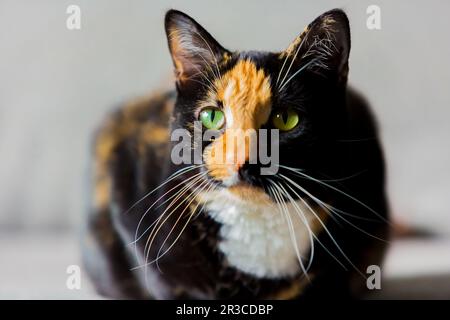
(212, 118)
(285, 120)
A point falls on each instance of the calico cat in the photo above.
(216, 230)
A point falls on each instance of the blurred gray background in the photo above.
(57, 84)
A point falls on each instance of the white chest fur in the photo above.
(257, 238)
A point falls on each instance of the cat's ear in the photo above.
(323, 46)
(192, 48)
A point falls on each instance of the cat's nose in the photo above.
(249, 172)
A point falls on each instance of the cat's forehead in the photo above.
(244, 79)
(245, 89)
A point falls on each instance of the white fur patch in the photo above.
(256, 237)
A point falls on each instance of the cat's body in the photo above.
(231, 241)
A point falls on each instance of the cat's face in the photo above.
(300, 92)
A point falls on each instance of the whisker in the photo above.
(177, 195)
(149, 248)
(294, 57)
(158, 226)
(281, 70)
(136, 238)
(337, 190)
(170, 178)
(299, 210)
(297, 72)
(199, 72)
(154, 233)
(304, 221)
(330, 207)
(158, 256)
(358, 228)
(210, 84)
(154, 223)
(344, 178)
(212, 53)
(212, 188)
(192, 198)
(320, 221)
(292, 235)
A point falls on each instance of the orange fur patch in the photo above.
(246, 95)
(246, 91)
(250, 193)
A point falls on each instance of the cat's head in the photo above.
(299, 91)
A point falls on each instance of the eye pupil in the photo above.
(284, 116)
(285, 120)
(212, 118)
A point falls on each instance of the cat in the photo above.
(216, 230)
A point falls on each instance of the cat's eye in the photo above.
(285, 120)
(212, 118)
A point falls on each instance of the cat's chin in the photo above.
(249, 193)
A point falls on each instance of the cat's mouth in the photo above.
(244, 189)
(244, 184)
